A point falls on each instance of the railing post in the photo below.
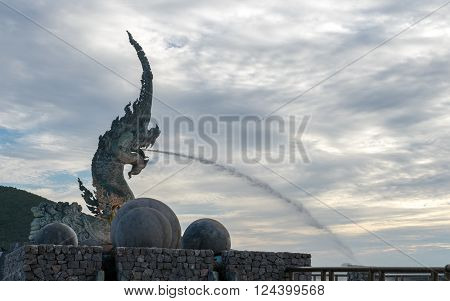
(434, 276)
(331, 276)
(323, 275)
(370, 275)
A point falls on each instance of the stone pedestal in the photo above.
(163, 264)
(50, 262)
(257, 266)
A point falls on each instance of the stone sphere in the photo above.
(154, 204)
(143, 227)
(56, 234)
(206, 234)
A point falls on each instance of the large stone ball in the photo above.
(56, 234)
(154, 204)
(207, 234)
(143, 227)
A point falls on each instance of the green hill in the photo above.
(15, 214)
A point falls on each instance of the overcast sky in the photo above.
(378, 138)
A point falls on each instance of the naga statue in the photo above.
(123, 144)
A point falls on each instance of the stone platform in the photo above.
(49, 262)
(163, 264)
(258, 266)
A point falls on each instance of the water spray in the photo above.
(311, 220)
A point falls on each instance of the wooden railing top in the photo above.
(362, 269)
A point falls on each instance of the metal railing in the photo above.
(371, 273)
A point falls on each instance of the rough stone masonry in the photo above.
(175, 264)
(50, 262)
(163, 264)
(257, 266)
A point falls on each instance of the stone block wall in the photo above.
(50, 262)
(12, 266)
(256, 266)
(163, 264)
(2, 259)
